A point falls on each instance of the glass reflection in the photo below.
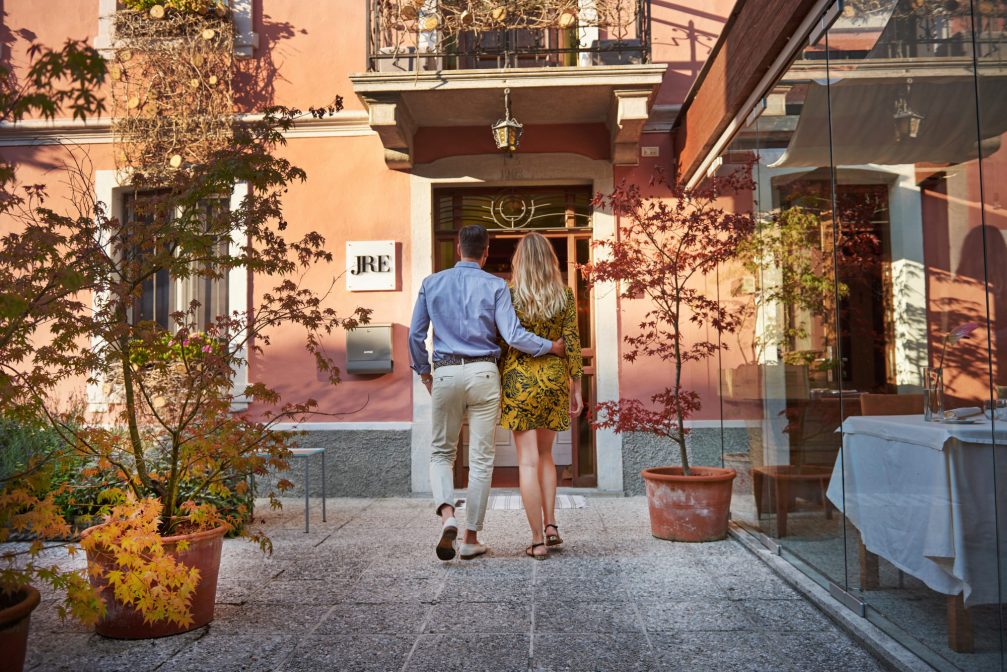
(881, 252)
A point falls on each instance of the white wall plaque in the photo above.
(370, 266)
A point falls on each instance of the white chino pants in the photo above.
(473, 391)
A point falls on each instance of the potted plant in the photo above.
(30, 470)
(665, 244)
(55, 82)
(165, 423)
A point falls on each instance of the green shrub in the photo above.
(26, 448)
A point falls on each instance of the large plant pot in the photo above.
(15, 616)
(741, 463)
(689, 508)
(203, 553)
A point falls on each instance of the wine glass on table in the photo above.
(995, 409)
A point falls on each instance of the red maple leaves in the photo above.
(665, 245)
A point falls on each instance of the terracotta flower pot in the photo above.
(15, 615)
(203, 553)
(688, 508)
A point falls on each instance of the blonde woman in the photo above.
(540, 394)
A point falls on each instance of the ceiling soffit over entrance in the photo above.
(618, 96)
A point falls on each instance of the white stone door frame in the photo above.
(521, 170)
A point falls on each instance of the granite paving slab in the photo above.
(612, 651)
(586, 617)
(364, 592)
(479, 617)
(363, 653)
(468, 652)
(693, 615)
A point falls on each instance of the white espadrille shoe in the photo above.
(469, 551)
(446, 544)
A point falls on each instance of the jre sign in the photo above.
(370, 266)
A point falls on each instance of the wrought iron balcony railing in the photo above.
(432, 35)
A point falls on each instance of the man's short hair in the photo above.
(473, 240)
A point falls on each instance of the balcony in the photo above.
(445, 63)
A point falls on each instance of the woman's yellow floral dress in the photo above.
(536, 390)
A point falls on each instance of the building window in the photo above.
(161, 294)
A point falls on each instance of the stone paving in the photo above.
(364, 591)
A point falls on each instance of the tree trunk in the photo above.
(680, 415)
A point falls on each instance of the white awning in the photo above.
(863, 125)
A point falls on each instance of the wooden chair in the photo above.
(891, 404)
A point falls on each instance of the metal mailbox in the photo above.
(369, 349)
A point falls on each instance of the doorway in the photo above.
(563, 216)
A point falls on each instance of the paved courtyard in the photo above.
(364, 591)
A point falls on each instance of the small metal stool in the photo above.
(304, 454)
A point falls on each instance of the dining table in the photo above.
(931, 499)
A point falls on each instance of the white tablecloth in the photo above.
(923, 496)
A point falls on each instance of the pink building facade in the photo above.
(874, 130)
(408, 159)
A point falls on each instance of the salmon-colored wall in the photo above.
(46, 165)
(46, 22)
(349, 195)
(644, 377)
(307, 52)
(961, 258)
(682, 34)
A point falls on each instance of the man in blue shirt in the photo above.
(470, 309)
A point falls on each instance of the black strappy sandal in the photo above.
(530, 552)
(553, 539)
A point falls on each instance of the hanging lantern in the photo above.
(907, 121)
(907, 125)
(507, 132)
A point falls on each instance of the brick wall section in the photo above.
(756, 33)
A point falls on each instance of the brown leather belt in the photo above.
(458, 360)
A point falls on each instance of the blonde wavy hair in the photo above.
(539, 290)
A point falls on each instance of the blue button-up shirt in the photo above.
(470, 309)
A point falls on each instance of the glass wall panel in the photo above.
(990, 41)
(909, 250)
(874, 292)
(781, 379)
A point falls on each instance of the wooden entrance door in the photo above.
(563, 216)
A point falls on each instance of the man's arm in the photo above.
(418, 328)
(517, 336)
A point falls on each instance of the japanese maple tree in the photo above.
(666, 242)
(163, 397)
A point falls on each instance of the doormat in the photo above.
(513, 502)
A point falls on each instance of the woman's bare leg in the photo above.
(546, 474)
(531, 492)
